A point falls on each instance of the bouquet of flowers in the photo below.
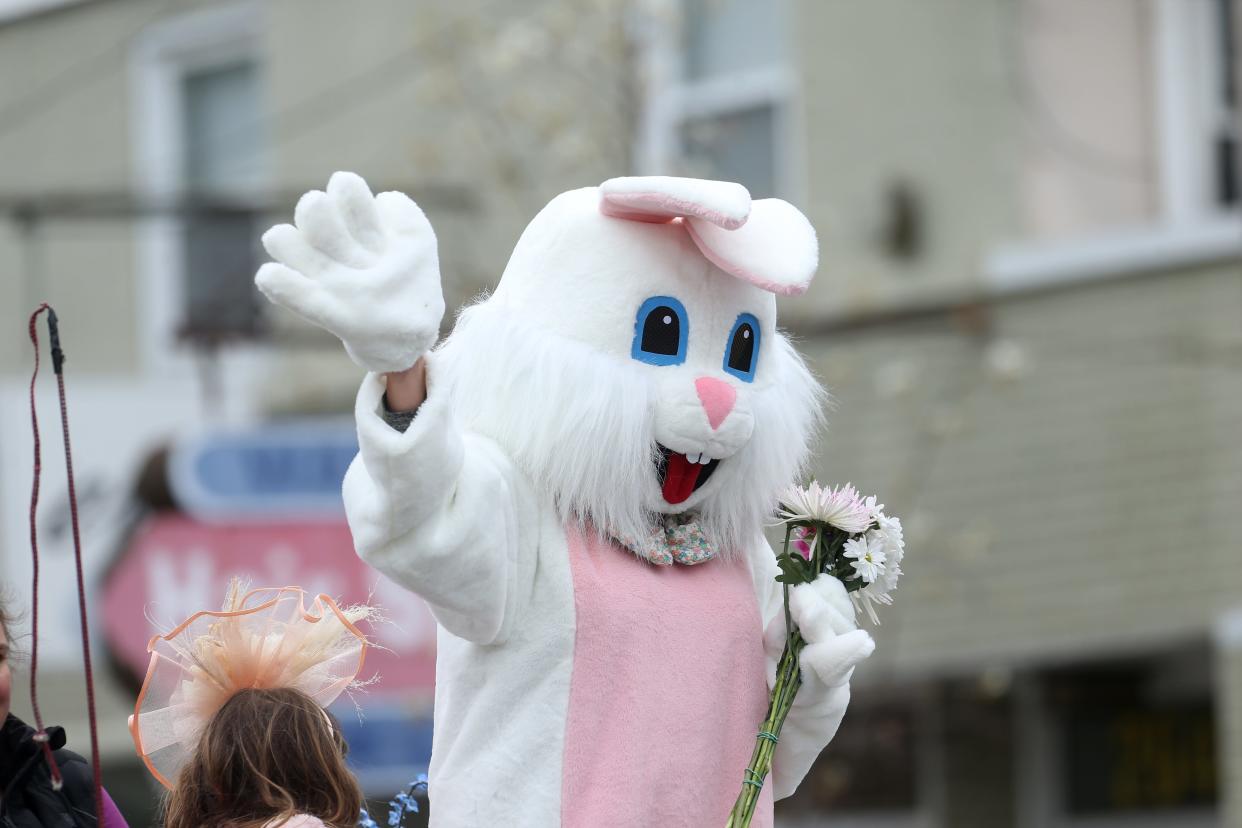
(829, 532)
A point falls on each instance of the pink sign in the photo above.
(175, 566)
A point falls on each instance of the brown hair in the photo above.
(266, 755)
(7, 619)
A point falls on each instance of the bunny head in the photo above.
(629, 359)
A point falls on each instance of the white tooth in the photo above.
(693, 458)
(704, 459)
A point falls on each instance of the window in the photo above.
(1140, 758)
(1131, 742)
(1226, 124)
(720, 37)
(1197, 72)
(1131, 114)
(200, 163)
(220, 128)
(721, 96)
(738, 145)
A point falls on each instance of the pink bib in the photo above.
(667, 693)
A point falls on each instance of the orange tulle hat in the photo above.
(262, 638)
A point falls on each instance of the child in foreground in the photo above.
(267, 758)
(232, 719)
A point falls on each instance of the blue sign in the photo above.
(272, 472)
(388, 747)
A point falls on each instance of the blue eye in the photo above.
(742, 352)
(660, 332)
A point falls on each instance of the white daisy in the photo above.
(894, 544)
(866, 554)
(866, 600)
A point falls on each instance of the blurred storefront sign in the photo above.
(174, 564)
(289, 470)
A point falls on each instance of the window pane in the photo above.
(1140, 758)
(736, 146)
(724, 36)
(1228, 138)
(220, 262)
(1136, 737)
(1083, 81)
(221, 128)
(221, 125)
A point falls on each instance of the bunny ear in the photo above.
(775, 250)
(659, 198)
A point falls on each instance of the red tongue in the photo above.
(679, 478)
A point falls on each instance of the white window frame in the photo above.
(1186, 52)
(672, 100)
(168, 51)
(1191, 229)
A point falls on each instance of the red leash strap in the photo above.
(58, 361)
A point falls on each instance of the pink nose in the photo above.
(717, 397)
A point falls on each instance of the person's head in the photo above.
(634, 372)
(266, 754)
(6, 675)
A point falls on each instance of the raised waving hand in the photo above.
(361, 266)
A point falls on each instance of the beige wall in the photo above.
(904, 89)
(1067, 465)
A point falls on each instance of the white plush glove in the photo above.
(363, 267)
(824, 614)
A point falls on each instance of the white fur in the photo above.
(582, 424)
(365, 268)
(588, 443)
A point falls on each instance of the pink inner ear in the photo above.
(662, 198)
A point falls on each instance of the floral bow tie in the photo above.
(678, 538)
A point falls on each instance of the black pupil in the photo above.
(661, 331)
(742, 348)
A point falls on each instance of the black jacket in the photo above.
(26, 796)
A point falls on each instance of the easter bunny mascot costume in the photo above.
(581, 495)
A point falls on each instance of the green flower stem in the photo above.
(827, 558)
(788, 680)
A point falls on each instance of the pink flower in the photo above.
(802, 537)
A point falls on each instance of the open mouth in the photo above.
(681, 476)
